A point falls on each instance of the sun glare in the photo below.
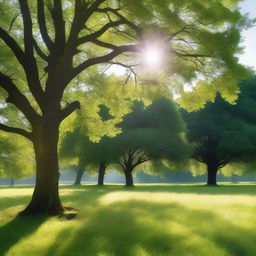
(152, 56)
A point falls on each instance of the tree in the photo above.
(89, 155)
(45, 50)
(69, 151)
(15, 157)
(150, 133)
(224, 134)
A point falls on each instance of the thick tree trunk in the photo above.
(45, 199)
(79, 176)
(128, 178)
(212, 169)
(102, 171)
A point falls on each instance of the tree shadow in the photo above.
(226, 189)
(198, 189)
(138, 227)
(18, 229)
(7, 202)
(135, 228)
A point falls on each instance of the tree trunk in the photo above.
(212, 174)
(102, 171)
(79, 176)
(12, 181)
(45, 199)
(128, 178)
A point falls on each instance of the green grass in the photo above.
(156, 220)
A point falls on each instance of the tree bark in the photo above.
(102, 171)
(128, 178)
(79, 175)
(45, 199)
(212, 169)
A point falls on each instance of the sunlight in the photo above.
(152, 56)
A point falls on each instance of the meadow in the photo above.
(147, 220)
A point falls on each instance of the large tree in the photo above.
(224, 134)
(46, 44)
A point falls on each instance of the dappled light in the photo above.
(142, 221)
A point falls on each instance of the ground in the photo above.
(148, 220)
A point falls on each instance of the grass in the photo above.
(156, 220)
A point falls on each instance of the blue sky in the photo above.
(249, 36)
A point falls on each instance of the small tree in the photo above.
(89, 155)
(223, 134)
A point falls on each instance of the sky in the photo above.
(249, 36)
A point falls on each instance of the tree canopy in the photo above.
(150, 133)
(224, 134)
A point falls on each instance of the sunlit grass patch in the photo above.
(141, 221)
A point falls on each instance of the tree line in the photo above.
(218, 136)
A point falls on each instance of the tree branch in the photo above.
(19, 131)
(12, 44)
(193, 55)
(122, 18)
(59, 25)
(122, 165)
(69, 110)
(103, 59)
(104, 44)
(93, 8)
(42, 25)
(16, 98)
(30, 65)
(40, 52)
(27, 27)
(100, 32)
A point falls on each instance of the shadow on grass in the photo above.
(200, 189)
(6, 202)
(137, 228)
(17, 229)
(182, 188)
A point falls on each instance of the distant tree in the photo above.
(98, 156)
(150, 133)
(16, 158)
(47, 45)
(224, 134)
(69, 151)
(92, 156)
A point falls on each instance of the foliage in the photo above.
(152, 133)
(16, 158)
(201, 38)
(225, 133)
(77, 147)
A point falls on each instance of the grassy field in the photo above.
(158, 220)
